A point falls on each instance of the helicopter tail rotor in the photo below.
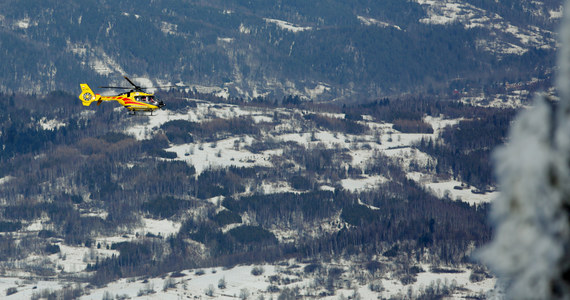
(87, 96)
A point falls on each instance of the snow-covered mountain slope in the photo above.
(507, 38)
(324, 52)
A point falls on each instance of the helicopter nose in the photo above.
(161, 104)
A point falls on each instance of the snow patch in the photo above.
(446, 12)
(275, 188)
(223, 93)
(162, 228)
(497, 46)
(555, 14)
(371, 21)
(168, 28)
(73, 259)
(317, 90)
(287, 26)
(26, 288)
(225, 40)
(456, 190)
(244, 29)
(77, 49)
(220, 154)
(6, 179)
(193, 285)
(103, 64)
(126, 14)
(439, 123)
(453, 11)
(363, 184)
(36, 225)
(50, 124)
(24, 23)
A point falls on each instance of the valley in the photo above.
(210, 182)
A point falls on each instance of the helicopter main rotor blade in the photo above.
(115, 87)
(136, 86)
(163, 86)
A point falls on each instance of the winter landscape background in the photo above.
(326, 150)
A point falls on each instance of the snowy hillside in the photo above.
(287, 153)
(327, 51)
(267, 281)
(470, 16)
(381, 139)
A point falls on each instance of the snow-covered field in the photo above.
(453, 190)
(236, 282)
(382, 138)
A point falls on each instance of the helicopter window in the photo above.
(145, 98)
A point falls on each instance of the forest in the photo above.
(232, 45)
(62, 174)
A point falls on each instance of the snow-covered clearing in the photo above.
(193, 283)
(223, 153)
(365, 183)
(275, 188)
(168, 28)
(51, 124)
(26, 288)
(162, 227)
(458, 279)
(514, 99)
(371, 21)
(239, 280)
(440, 123)
(381, 139)
(202, 112)
(453, 190)
(319, 89)
(287, 26)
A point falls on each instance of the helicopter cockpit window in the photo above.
(149, 99)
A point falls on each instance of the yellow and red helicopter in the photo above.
(137, 99)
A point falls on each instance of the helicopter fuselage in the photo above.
(133, 101)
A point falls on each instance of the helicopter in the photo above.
(137, 99)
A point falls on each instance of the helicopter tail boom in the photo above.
(87, 96)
